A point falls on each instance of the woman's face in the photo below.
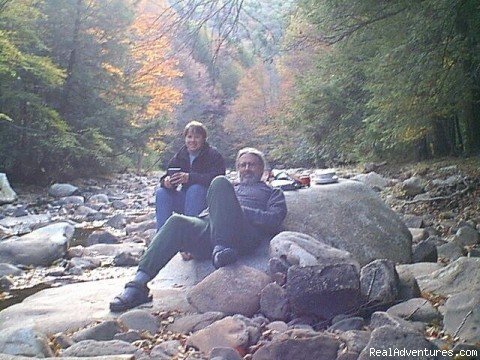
(194, 141)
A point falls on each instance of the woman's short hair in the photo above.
(196, 127)
(253, 151)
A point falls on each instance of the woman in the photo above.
(184, 190)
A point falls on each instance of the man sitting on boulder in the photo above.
(238, 217)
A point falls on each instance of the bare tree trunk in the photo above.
(72, 60)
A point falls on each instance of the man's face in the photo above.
(250, 169)
(194, 141)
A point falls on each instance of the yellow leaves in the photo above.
(412, 133)
(112, 69)
(155, 70)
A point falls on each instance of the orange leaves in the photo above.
(155, 68)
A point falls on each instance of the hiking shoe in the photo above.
(223, 256)
(134, 294)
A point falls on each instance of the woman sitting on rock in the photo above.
(196, 164)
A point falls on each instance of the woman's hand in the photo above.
(166, 183)
(178, 178)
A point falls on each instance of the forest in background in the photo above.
(93, 86)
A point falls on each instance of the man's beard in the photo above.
(249, 178)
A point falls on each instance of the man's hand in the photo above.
(178, 178)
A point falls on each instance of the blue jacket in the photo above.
(263, 206)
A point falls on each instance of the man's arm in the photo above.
(271, 218)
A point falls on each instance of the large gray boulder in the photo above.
(38, 248)
(350, 216)
(7, 195)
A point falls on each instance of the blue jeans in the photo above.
(190, 201)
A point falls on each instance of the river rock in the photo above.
(7, 195)
(104, 331)
(224, 353)
(274, 302)
(101, 237)
(231, 290)
(351, 217)
(26, 342)
(99, 348)
(378, 282)
(62, 190)
(450, 251)
(425, 251)
(166, 350)
(141, 320)
(323, 291)
(417, 309)
(9, 269)
(195, 322)
(462, 316)
(40, 247)
(108, 357)
(28, 222)
(304, 250)
(299, 345)
(388, 338)
(228, 332)
(461, 275)
(412, 186)
(466, 236)
(372, 180)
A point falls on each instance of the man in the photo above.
(238, 217)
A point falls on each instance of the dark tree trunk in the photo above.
(71, 61)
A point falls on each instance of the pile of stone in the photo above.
(339, 283)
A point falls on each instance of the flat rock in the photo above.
(231, 290)
(95, 348)
(304, 250)
(351, 217)
(418, 269)
(417, 309)
(461, 275)
(46, 309)
(195, 322)
(462, 316)
(40, 247)
(27, 221)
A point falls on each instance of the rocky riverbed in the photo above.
(396, 249)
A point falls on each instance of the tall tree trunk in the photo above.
(71, 60)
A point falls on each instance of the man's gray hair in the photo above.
(253, 151)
